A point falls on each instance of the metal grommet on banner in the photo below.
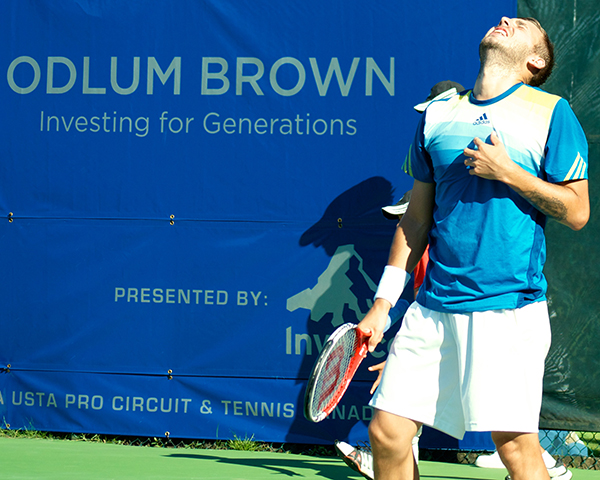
(340, 223)
(167, 434)
(10, 217)
(169, 374)
(172, 217)
(7, 369)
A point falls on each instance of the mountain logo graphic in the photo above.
(333, 291)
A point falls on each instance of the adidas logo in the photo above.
(483, 120)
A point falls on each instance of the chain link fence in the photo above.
(575, 449)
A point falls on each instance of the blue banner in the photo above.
(192, 196)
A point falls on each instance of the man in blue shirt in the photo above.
(489, 166)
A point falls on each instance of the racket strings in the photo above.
(335, 371)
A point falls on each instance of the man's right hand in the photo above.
(374, 322)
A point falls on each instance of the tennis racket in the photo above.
(336, 365)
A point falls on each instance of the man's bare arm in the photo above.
(566, 202)
(408, 245)
(410, 239)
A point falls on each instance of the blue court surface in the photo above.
(27, 459)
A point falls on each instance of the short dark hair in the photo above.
(545, 49)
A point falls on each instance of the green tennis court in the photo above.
(25, 459)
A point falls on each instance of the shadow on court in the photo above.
(40, 459)
(293, 468)
(330, 468)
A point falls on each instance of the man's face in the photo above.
(513, 38)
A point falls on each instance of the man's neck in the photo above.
(494, 79)
(490, 86)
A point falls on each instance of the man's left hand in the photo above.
(489, 161)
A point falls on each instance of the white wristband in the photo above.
(392, 284)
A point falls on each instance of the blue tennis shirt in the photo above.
(487, 246)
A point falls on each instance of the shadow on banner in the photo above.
(356, 237)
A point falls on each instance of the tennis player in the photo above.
(489, 166)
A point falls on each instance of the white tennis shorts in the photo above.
(480, 371)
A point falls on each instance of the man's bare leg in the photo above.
(391, 440)
(521, 454)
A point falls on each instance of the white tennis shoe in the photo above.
(359, 458)
(489, 461)
(557, 472)
(556, 469)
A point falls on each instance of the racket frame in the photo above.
(315, 375)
